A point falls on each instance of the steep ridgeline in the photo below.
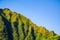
(14, 26)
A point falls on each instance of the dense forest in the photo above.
(15, 26)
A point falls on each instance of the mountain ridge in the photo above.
(17, 27)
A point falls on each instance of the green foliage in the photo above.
(38, 36)
(15, 26)
(3, 35)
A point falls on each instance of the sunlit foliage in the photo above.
(14, 26)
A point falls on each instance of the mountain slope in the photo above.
(14, 26)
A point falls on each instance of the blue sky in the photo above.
(40, 12)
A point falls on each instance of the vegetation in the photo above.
(14, 26)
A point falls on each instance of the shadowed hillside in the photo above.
(14, 26)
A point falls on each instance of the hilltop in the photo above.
(14, 26)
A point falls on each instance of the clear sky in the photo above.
(40, 12)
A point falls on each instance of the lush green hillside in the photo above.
(14, 26)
